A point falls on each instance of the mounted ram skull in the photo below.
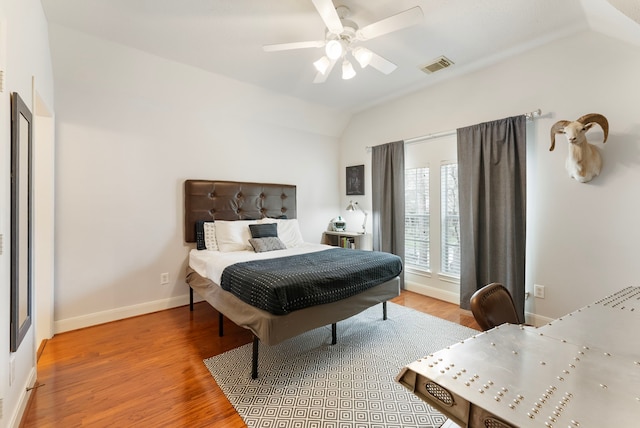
(584, 161)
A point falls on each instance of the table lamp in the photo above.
(353, 206)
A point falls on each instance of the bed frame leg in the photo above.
(334, 333)
(254, 361)
(220, 324)
(191, 299)
(384, 310)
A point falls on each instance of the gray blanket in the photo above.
(285, 284)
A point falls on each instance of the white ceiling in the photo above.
(226, 37)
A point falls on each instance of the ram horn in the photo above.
(557, 128)
(599, 119)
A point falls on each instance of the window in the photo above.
(450, 221)
(416, 220)
(442, 254)
(432, 233)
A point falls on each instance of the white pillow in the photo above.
(267, 220)
(233, 235)
(210, 236)
(289, 232)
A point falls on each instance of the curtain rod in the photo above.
(529, 116)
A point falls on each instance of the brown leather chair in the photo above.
(492, 305)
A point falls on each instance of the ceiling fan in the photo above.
(343, 37)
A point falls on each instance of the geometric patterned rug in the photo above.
(305, 382)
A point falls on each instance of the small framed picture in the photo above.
(355, 180)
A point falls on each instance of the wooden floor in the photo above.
(148, 370)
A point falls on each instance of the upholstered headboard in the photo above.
(233, 200)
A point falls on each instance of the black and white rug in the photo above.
(305, 382)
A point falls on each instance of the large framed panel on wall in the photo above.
(355, 180)
(21, 224)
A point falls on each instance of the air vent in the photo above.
(437, 64)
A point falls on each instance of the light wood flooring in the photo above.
(147, 371)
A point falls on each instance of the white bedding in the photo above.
(210, 264)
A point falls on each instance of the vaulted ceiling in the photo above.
(226, 37)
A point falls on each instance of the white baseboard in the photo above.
(536, 320)
(452, 297)
(18, 413)
(89, 320)
(436, 293)
(60, 326)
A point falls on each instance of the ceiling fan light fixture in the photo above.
(342, 38)
(362, 55)
(334, 49)
(347, 70)
(322, 65)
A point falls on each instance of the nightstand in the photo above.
(359, 241)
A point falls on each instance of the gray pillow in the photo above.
(265, 230)
(271, 243)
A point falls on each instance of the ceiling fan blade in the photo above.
(393, 23)
(321, 78)
(328, 13)
(381, 64)
(294, 45)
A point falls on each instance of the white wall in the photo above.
(43, 220)
(131, 127)
(582, 238)
(24, 55)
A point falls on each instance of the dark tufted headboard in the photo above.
(234, 200)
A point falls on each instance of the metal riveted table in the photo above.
(581, 370)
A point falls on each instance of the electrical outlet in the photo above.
(164, 278)
(538, 291)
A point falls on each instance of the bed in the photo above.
(229, 204)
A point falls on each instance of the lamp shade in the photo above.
(322, 65)
(362, 55)
(333, 49)
(347, 70)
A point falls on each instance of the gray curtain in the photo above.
(492, 196)
(387, 182)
